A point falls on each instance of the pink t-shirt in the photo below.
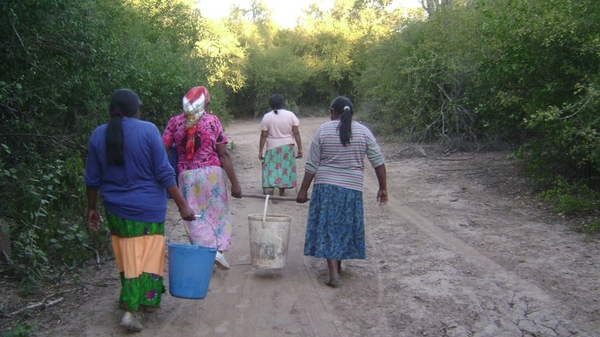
(280, 127)
(208, 135)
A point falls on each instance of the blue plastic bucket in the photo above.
(190, 269)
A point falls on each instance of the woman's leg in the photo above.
(334, 276)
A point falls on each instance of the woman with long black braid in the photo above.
(335, 226)
(127, 163)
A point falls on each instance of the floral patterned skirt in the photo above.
(279, 168)
(205, 190)
(335, 227)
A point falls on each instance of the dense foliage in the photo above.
(459, 72)
(525, 72)
(61, 61)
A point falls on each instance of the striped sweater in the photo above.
(335, 164)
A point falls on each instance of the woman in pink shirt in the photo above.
(279, 130)
(203, 166)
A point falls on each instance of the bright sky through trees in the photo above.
(285, 12)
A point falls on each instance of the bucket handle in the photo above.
(264, 219)
(188, 233)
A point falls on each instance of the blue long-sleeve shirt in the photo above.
(136, 190)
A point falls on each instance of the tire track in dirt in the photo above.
(467, 252)
(522, 308)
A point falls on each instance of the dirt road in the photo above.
(457, 252)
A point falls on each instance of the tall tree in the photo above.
(434, 6)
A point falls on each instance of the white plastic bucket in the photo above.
(269, 238)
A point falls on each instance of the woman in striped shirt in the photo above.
(335, 226)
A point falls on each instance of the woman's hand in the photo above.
(187, 213)
(302, 196)
(299, 154)
(236, 191)
(94, 220)
(382, 197)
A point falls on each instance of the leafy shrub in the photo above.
(61, 61)
(571, 197)
(591, 227)
(49, 232)
(18, 331)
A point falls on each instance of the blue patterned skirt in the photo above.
(335, 228)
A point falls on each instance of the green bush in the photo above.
(591, 227)
(571, 197)
(61, 61)
(48, 230)
(18, 331)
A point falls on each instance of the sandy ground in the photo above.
(460, 250)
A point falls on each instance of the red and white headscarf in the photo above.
(194, 106)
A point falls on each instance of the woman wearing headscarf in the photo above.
(128, 165)
(279, 130)
(204, 164)
(335, 227)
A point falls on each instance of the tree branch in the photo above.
(43, 303)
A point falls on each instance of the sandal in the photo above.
(131, 321)
(333, 283)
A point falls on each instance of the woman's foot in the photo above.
(334, 283)
(334, 276)
(221, 262)
(148, 309)
(131, 321)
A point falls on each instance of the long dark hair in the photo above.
(124, 103)
(343, 106)
(276, 102)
